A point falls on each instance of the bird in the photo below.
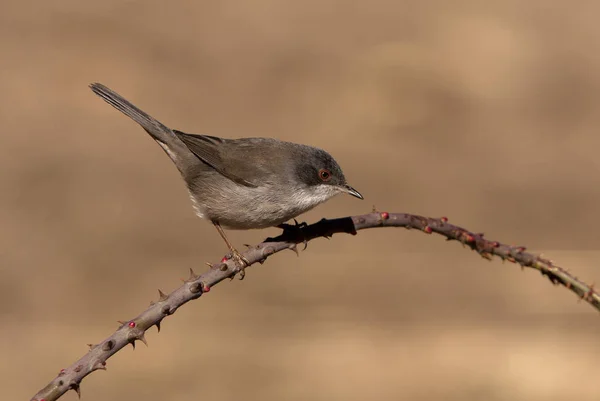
(244, 183)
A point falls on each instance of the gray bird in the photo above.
(242, 183)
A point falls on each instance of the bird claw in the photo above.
(295, 231)
(295, 226)
(241, 262)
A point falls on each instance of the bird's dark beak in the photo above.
(347, 188)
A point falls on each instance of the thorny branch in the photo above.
(196, 285)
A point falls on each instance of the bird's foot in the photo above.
(294, 231)
(240, 261)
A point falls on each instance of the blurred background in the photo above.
(485, 112)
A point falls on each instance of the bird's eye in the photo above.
(324, 174)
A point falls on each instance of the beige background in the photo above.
(486, 112)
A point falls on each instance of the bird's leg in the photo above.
(236, 255)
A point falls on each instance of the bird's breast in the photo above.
(239, 207)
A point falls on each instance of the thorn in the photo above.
(374, 209)
(132, 342)
(294, 247)
(91, 346)
(158, 326)
(142, 338)
(193, 275)
(247, 246)
(162, 296)
(122, 323)
(209, 264)
(77, 388)
(152, 303)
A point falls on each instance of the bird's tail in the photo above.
(155, 128)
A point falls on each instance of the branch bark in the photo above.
(196, 285)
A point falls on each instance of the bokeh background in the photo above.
(485, 112)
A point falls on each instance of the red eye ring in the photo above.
(324, 174)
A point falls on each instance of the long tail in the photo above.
(155, 128)
(177, 151)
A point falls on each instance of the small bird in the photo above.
(244, 183)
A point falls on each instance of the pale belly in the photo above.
(252, 208)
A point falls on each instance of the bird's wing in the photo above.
(231, 158)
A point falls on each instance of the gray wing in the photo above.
(232, 158)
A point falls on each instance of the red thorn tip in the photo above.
(62, 371)
(206, 288)
(469, 238)
(132, 324)
(444, 219)
(495, 244)
(428, 230)
(385, 215)
(224, 259)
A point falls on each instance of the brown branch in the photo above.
(134, 329)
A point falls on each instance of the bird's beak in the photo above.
(347, 188)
